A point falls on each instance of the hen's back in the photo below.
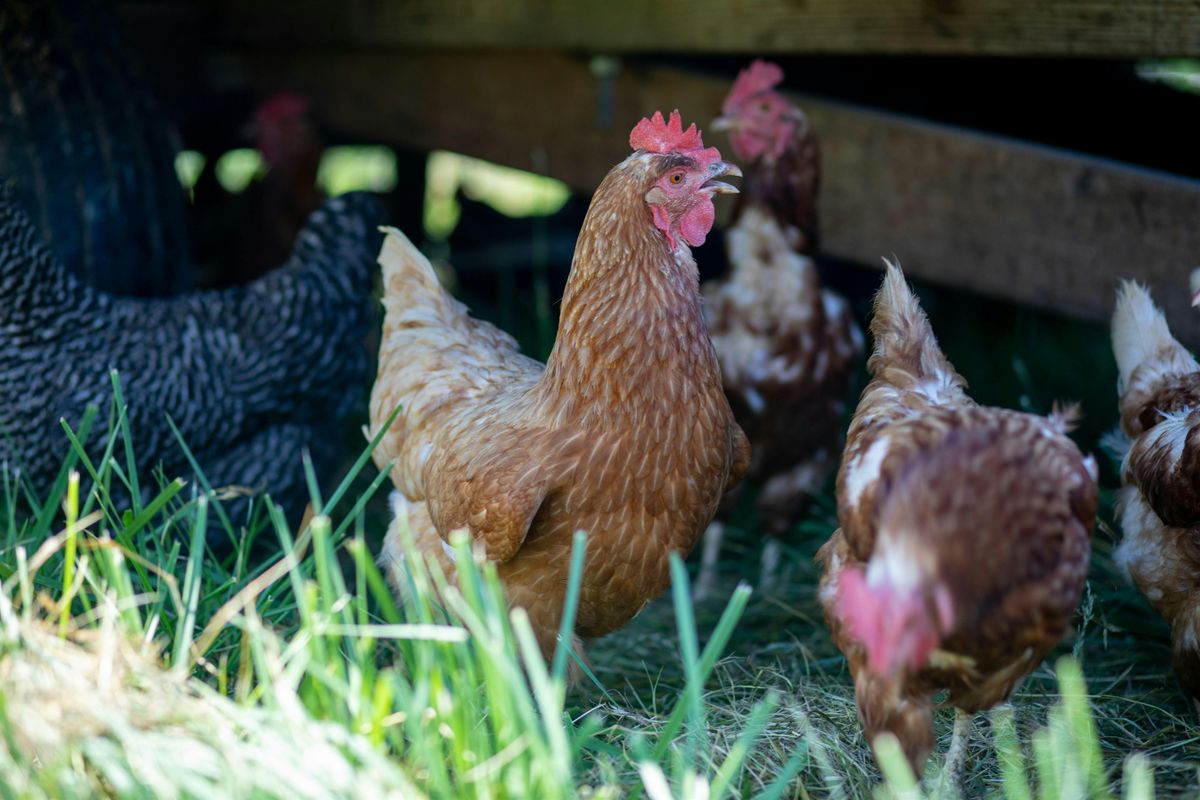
(436, 363)
(910, 377)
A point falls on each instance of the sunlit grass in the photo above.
(188, 166)
(510, 191)
(357, 168)
(1178, 73)
(153, 667)
(236, 169)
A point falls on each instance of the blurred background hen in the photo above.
(95, 261)
(788, 348)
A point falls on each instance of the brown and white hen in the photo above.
(787, 347)
(964, 540)
(1159, 386)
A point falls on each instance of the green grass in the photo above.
(134, 662)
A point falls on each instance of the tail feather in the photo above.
(410, 284)
(906, 351)
(1140, 334)
(433, 358)
(1065, 416)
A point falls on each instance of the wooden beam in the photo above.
(1039, 226)
(1099, 28)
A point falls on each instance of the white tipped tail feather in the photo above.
(409, 280)
(906, 353)
(1140, 334)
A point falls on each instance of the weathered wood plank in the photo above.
(1105, 28)
(1039, 226)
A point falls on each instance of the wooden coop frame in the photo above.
(1037, 225)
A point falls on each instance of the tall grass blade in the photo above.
(570, 607)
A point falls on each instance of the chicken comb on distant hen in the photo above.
(281, 105)
(761, 76)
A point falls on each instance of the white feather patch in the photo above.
(1173, 430)
(1140, 549)
(864, 469)
(893, 564)
(939, 389)
(1140, 333)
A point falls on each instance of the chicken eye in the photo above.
(764, 107)
(676, 178)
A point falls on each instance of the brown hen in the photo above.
(1159, 503)
(964, 540)
(787, 347)
(625, 433)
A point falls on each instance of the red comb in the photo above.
(761, 76)
(282, 105)
(655, 136)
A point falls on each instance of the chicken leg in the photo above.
(956, 756)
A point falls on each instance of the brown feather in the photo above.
(624, 433)
(787, 347)
(1159, 504)
(993, 507)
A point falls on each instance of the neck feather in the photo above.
(631, 335)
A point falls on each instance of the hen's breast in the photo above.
(640, 492)
(787, 348)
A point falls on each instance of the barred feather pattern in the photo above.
(249, 375)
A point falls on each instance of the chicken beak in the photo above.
(725, 122)
(718, 170)
(1196, 299)
(1195, 281)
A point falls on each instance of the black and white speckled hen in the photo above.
(250, 375)
(787, 347)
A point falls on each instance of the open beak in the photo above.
(721, 168)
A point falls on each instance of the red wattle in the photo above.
(697, 221)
